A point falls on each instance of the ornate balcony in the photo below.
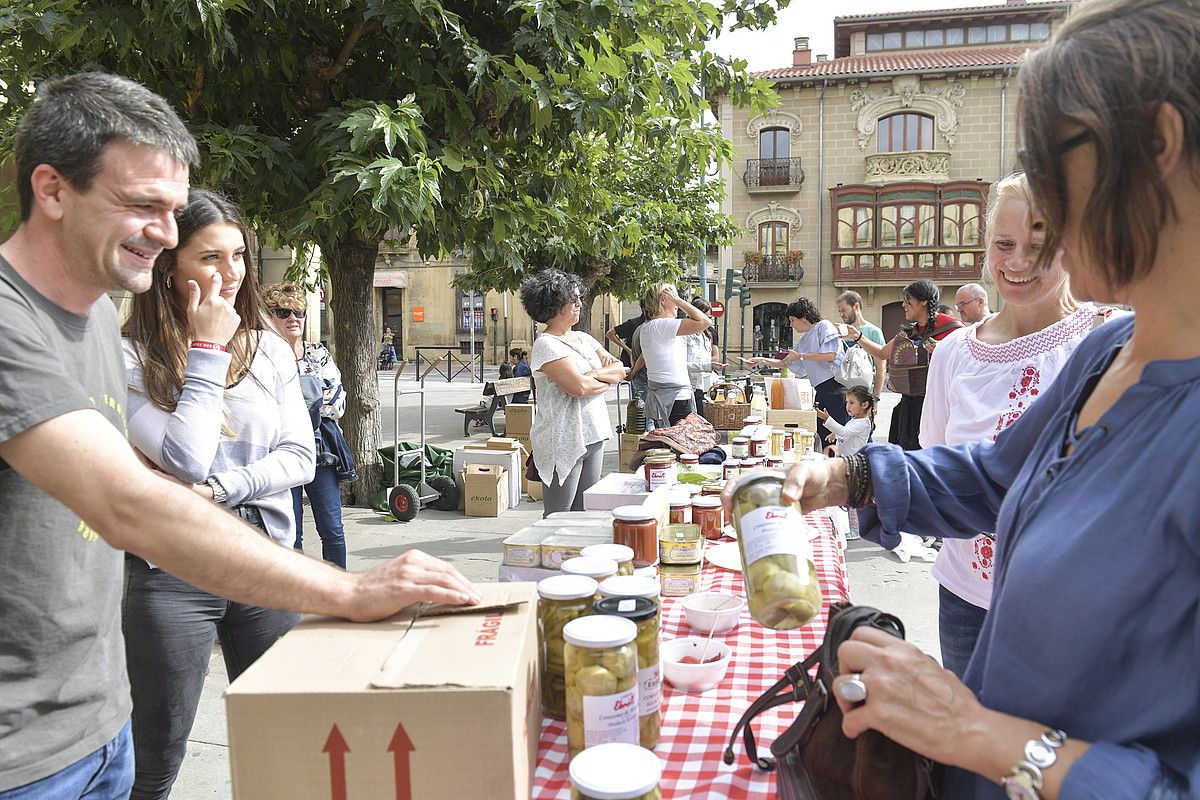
(892, 266)
(764, 175)
(913, 165)
(773, 269)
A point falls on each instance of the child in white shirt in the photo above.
(848, 439)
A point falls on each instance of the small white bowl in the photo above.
(713, 611)
(694, 677)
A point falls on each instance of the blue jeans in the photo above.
(170, 627)
(325, 498)
(106, 774)
(959, 624)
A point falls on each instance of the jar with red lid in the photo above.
(637, 527)
(707, 513)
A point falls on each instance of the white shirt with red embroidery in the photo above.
(975, 390)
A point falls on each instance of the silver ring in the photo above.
(854, 690)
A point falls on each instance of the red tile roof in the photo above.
(1016, 7)
(915, 61)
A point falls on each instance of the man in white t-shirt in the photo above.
(664, 353)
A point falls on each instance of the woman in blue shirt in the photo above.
(1085, 681)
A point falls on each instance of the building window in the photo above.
(874, 41)
(891, 40)
(773, 238)
(914, 38)
(954, 36)
(904, 231)
(1020, 31)
(1040, 30)
(977, 34)
(772, 331)
(464, 312)
(933, 38)
(773, 143)
(903, 132)
(997, 33)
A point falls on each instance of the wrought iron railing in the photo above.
(773, 269)
(770, 172)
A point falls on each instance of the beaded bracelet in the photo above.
(202, 345)
(860, 489)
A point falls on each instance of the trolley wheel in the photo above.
(448, 489)
(403, 502)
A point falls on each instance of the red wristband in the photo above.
(199, 345)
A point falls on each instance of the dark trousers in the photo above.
(701, 395)
(828, 395)
(325, 499)
(170, 627)
(959, 624)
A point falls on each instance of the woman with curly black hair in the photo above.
(814, 355)
(571, 373)
(908, 369)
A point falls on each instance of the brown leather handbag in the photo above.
(813, 759)
(908, 365)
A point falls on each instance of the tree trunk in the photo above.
(356, 338)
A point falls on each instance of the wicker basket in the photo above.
(726, 417)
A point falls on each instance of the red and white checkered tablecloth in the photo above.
(696, 727)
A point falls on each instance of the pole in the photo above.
(742, 334)
(471, 326)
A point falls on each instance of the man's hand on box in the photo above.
(411, 578)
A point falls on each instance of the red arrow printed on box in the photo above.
(337, 748)
(400, 747)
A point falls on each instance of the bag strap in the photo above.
(793, 687)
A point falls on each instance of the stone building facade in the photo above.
(877, 162)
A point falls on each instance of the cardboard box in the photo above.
(511, 460)
(805, 419)
(615, 489)
(627, 448)
(518, 418)
(501, 443)
(388, 709)
(486, 490)
(534, 490)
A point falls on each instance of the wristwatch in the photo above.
(218, 490)
(1026, 780)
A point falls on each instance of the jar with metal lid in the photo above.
(706, 511)
(637, 527)
(680, 508)
(731, 468)
(679, 544)
(600, 657)
(753, 419)
(782, 588)
(644, 613)
(620, 553)
(660, 471)
(595, 568)
(679, 579)
(648, 571)
(630, 586)
(776, 449)
(759, 445)
(773, 462)
(561, 598)
(615, 772)
(740, 447)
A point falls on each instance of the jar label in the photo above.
(678, 585)
(679, 552)
(522, 556)
(611, 718)
(659, 476)
(649, 690)
(776, 530)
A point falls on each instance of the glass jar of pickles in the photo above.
(620, 553)
(782, 588)
(630, 586)
(595, 568)
(644, 613)
(615, 772)
(561, 599)
(707, 514)
(600, 660)
(679, 544)
(637, 527)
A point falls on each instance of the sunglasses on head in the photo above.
(284, 313)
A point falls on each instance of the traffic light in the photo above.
(735, 286)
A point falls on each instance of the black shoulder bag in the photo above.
(813, 758)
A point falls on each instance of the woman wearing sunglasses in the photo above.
(214, 401)
(287, 305)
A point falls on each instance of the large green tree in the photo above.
(341, 123)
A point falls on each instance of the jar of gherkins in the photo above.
(644, 614)
(600, 657)
(561, 599)
(782, 589)
(622, 554)
(615, 772)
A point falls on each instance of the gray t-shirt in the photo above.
(63, 690)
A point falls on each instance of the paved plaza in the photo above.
(473, 545)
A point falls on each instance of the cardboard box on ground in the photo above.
(500, 451)
(440, 708)
(486, 490)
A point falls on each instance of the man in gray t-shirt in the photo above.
(102, 166)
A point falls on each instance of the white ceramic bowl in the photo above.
(694, 677)
(713, 611)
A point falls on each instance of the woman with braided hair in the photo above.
(925, 328)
